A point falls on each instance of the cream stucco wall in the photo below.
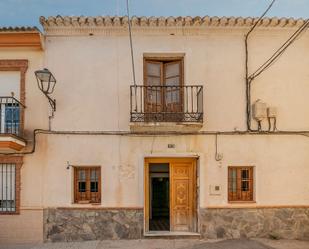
(121, 159)
(97, 65)
(94, 75)
(101, 64)
(104, 73)
(27, 227)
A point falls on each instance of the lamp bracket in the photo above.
(52, 102)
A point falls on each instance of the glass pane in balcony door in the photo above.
(172, 69)
(153, 81)
(153, 88)
(153, 69)
(173, 89)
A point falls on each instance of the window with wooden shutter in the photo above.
(87, 184)
(240, 183)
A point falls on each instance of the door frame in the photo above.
(169, 160)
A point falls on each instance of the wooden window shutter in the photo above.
(240, 184)
(87, 184)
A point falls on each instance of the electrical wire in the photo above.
(131, 45)
(260, 18)
(217, 156)
(249, 131)
(269, 124)
(279, 51)
(275, 124)
(248, 81)
(266, 65)
(259, 125)
(153, 139)
(36, 132)
(132, 53)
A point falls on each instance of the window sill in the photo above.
(241, 202)
(87, 203)
(10, 213)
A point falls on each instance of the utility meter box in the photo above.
(272, 112)
(215, 189)
(259, 110)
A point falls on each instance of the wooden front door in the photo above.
(182, 178)
(182, 202)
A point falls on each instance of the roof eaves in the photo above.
(188, 21)
(19, 29)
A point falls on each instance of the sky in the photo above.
(27, 12)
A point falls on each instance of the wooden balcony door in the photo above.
(153, 91)
(172, 91)
(163, 92)
(182, 193)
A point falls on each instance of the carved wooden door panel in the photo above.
(182, 200)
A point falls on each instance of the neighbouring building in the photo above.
(169, 154)
(21, 53)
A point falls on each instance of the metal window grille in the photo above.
(10, 115)
(7, 187)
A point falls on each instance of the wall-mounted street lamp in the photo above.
(46, 83)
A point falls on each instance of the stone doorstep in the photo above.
(171, 235)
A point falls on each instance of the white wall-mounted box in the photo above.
(259, 110)
(271, 112)
(215, 189)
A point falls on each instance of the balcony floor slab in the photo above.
(165, 126)
(11, 143)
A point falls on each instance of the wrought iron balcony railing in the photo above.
(166, 103)
(10, 116)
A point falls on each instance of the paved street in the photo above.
(173, 244)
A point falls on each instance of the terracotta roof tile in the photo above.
(19, 29)
(188, 21)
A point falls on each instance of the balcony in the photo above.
(11, 129)
(166, 107)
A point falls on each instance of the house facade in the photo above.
(167, 152)
(21, 53)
